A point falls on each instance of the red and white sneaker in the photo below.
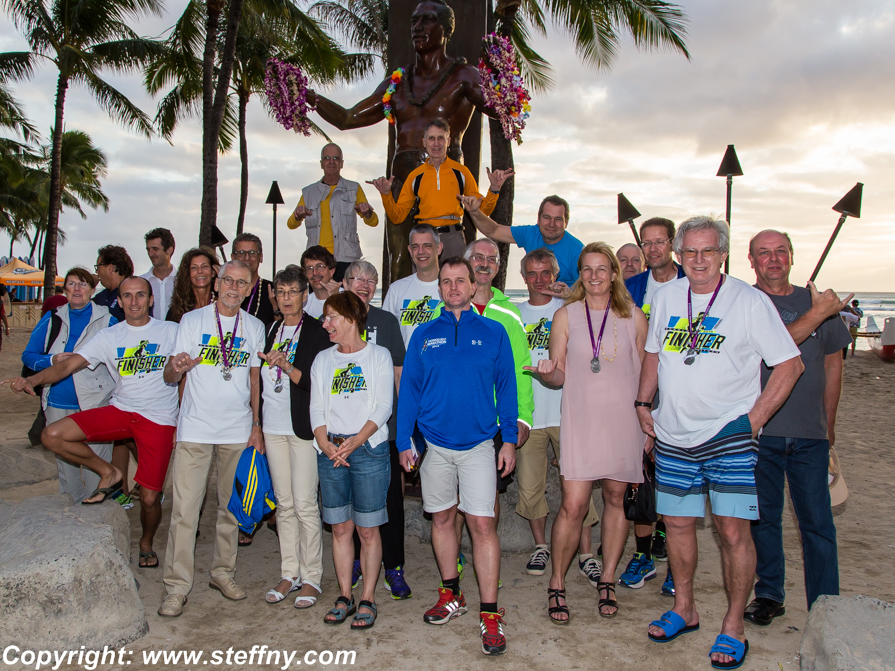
(493, 640)
(447, 608)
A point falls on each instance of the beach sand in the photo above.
(401, 640)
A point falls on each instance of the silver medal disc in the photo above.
(278, 387)
(227, 375)
(689, 360)
(595, 365)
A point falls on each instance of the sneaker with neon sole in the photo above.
(125, 501)
(668, 585)
(356, 574)
(640, 569)
(394, 582)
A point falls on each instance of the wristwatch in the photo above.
(256, 423)
(641, 404)
(291, 368)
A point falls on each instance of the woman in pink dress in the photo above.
(596, 349)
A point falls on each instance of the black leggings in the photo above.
(392, 532)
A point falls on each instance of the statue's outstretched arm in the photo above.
(365, 113)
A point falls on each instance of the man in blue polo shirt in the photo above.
(461, 359)
(553, 219)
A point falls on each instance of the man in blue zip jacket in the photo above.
(463, 352)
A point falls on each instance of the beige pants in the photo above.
(79, 482)
(531, 474)
(192, 462)
(293, 470)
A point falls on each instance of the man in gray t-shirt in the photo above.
(796, 442)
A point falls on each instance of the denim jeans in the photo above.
(805, 463)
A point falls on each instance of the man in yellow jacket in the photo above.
(331, 207)
(431, 192)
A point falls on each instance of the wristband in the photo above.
(493, 191)
(641, 404)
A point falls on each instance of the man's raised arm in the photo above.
(486, 225)
(365, 113)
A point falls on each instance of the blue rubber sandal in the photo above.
(673, 625)
(730, 646)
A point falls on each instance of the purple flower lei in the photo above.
(286, 88)
(502, 86)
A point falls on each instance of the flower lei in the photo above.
(395, 79)
(502, 86)
(286, 88)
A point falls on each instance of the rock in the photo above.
(65, 579)
(514, 531)
(19, 466)
(853, 634)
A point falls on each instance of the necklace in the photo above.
(291, 346)
(407, 80)
(226, 350)
(693, 330)
(595, 362)
(252, 297)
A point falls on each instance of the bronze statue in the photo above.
(435, 86)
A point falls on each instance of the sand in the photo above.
(401, 640)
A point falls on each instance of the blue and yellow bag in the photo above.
(252, 498)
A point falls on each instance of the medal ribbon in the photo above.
(252, 297)
(291, 347)
(705, 315)
(590, 328)
(224, 353)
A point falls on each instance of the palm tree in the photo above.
(268, 28)
(81, 39)
(363, 23)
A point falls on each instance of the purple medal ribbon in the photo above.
(595, 362)
(225, 354)
(694, 332)
(252, 296)
(290, 353)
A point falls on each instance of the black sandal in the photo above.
(557, 594)
(607, 602)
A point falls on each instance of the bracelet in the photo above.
(256, 423)
(291, 368)
(641, 404)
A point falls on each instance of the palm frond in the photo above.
(115, 103)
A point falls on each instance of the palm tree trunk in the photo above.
(52, 236)
(209, 141)
(244, 161)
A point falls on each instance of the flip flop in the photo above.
(107, 492)
(727, 645)
(147, 556)
(673, 625)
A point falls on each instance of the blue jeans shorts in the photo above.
(722, 468)
(359, 492)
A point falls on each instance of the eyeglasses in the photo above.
(331, 158)
(362, 280)
(76, 285)
(251, 253)
(319, 268)
(292, 293)
(766, 253)
(478, 258)
(229, 282)
(100, 265)
(646, 244)
(707, 253)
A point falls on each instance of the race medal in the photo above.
(595, 362)
(693, 333)
(689, 360)
(278, 387)
(227, 375)
(595, 365)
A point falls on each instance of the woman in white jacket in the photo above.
(351, 401)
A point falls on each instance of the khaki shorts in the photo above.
(531, 473)
(472, 472)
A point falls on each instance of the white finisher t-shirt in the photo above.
(314, 306)
(136, 358)
(652, 286)
(349, 389)
(214, 410)
(547, 400)
(724, 381)
(413, 302)
(276, 413)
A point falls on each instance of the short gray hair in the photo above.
(422, 229)
(471, 246)
(541, 255)
(363, 267)
(235, 263)
(703, 223)
(291, 274)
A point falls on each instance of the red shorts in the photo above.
(155, 442)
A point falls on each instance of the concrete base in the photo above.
(849, 634)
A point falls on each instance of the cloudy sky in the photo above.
(803, 88)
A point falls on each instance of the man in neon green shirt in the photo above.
(331, 207)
